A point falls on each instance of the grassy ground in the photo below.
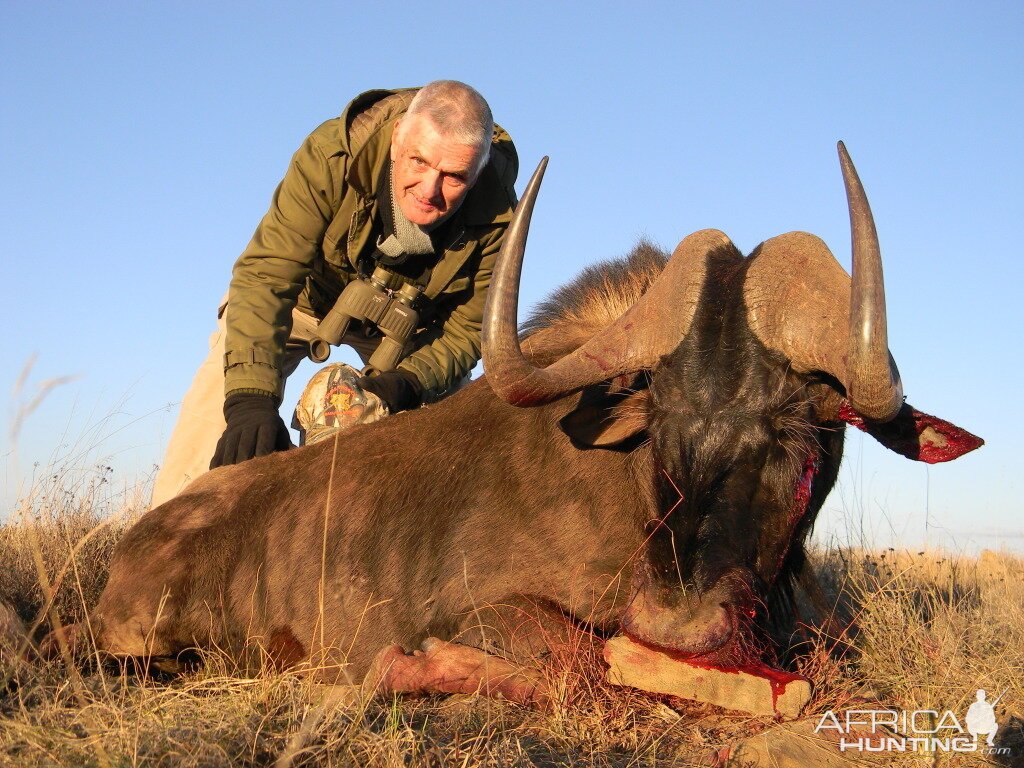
(910, 630)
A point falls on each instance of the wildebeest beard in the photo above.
(737, 445)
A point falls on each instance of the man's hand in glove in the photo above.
(255, 428)
(400, 390)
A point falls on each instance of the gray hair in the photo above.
(459, 113)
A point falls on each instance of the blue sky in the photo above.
(140, 143)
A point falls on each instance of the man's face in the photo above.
(431, 173)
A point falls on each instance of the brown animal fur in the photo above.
(503, 527)
(418, 526)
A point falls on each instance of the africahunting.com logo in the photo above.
(922, 730)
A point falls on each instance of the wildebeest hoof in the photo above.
(432, 642)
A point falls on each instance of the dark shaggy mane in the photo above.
(599, 295)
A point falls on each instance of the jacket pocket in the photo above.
(334, 253)
(336, 238)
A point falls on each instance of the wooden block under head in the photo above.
(757, 689)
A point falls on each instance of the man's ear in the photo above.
(396, 139)
(481, 164)
(918, 436)
(605, 419)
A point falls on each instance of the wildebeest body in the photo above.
(685, 425)
(429, 514)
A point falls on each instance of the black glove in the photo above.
(400, 390)
(255, 428)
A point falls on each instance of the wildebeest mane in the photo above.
(582, 308)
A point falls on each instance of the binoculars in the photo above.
(370, 300)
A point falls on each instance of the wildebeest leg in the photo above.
(77, 644)
(74, 642)
(500, 651)
(523, 629)
(443, 667)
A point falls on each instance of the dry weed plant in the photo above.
(900, 629)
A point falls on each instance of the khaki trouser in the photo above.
(201, 419)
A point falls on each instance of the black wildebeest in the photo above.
(685, 426)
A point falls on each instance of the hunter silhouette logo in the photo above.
(922, 730)
(981, 718)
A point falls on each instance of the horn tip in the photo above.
(538, 174)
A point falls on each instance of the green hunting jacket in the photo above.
(324, 217)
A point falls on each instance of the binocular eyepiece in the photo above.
(369, 300)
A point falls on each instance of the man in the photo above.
(413, 186)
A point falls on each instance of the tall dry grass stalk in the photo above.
(33, 507)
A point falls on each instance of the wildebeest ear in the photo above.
(607, 419)
(916, 435)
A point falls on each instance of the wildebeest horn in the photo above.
(874, 387)
(801, 303)
(652, 327)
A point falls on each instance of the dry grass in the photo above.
(914, 631)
